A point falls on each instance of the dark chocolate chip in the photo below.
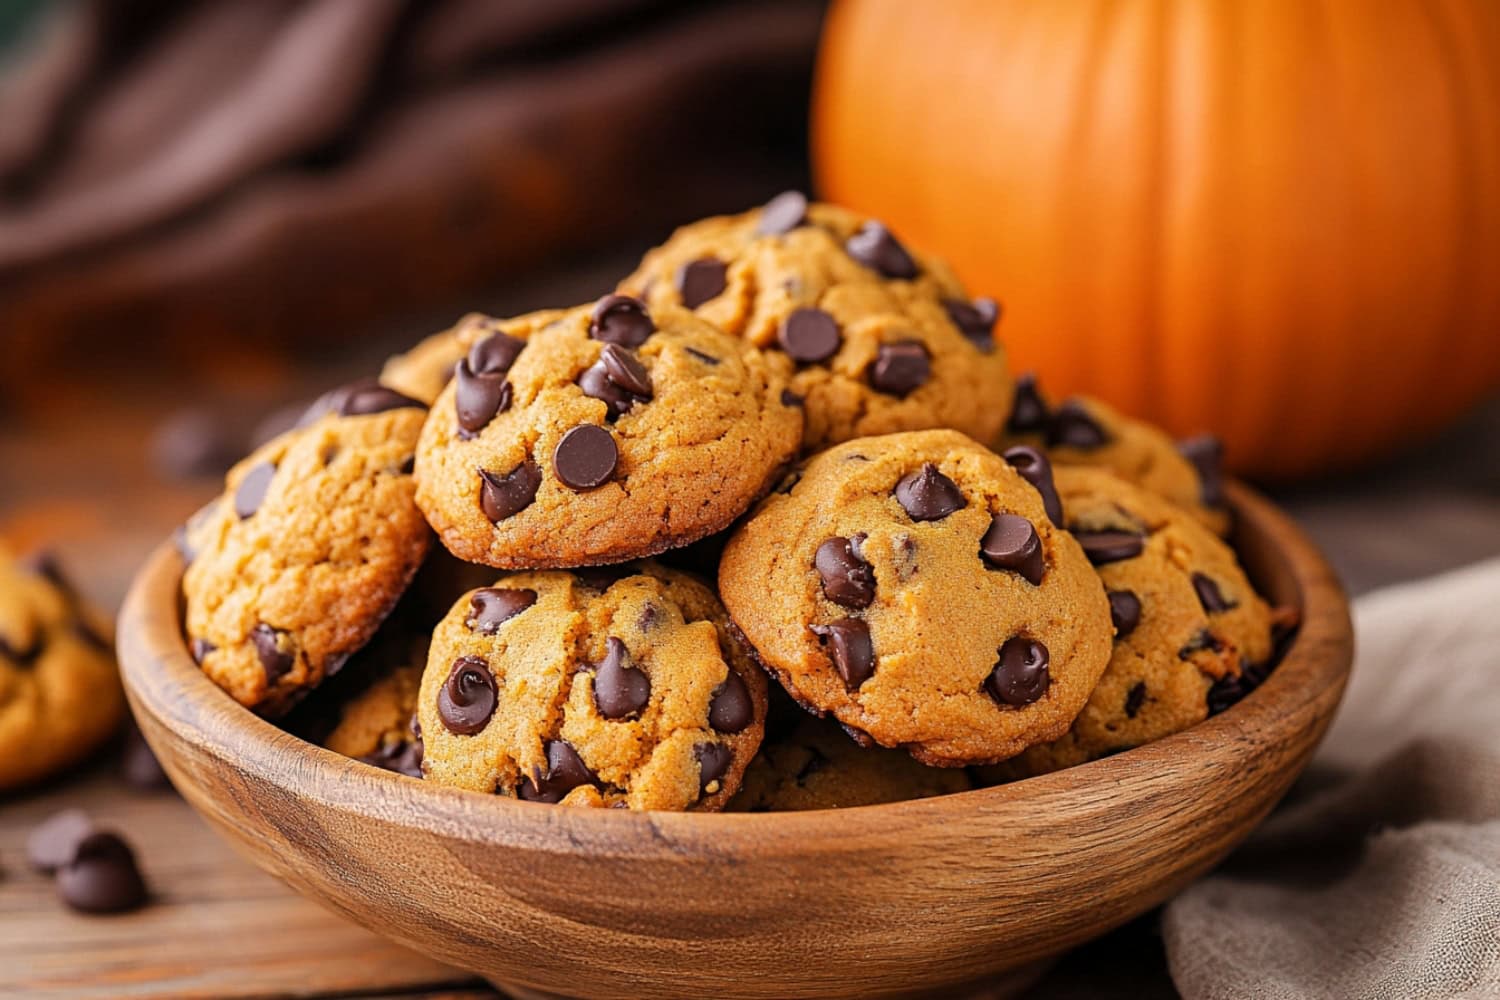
(1035, 468)
(54, 842)
(1029, 413)
(809, 335)
(502, 495)
(1203, 639)
(1012, 543)
(45, 564)
(408, 466)
(21, 657)
(707, 359)
(713, 761)
(899, 369)
(139, 766)
(928, 495)
(565, 772)
(620, 319)
(467, 699)
(782, 214)
(495, 354)
(251, 492)
(875, 248)
(272, 649)
(1206, 453)
(585, 457)
(1020, 676)
(478, 398)
(618, 378)
(847, 579)
(1124, 612)
(620, 690)
(365, 399)
(491, 607)
(732, 708)
(102, 876)
(400, 756)
(1210, 596)
(1104, 547)
(790, 398)
(1072, 426)
(199, 649)
(1229, 689)
(853, 652)
(1134, 699)
(975, 320)
(700, 281)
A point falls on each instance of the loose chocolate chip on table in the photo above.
(809, 335)
(975, 320)
(620, 690)
(478, 398)
(366, 398)
(928, 495)
(847, 579)
(782, 214)
(1134, 699)
(272, 649)
(1124, 612)
(700, 281)
(468, 697)
(1020, 676)
(102, 876)
(707, 359)
(1210, 596)
(713, 761)
(875, 248)
(853, 652)
(1036, 469)
(1072, 426)
(54, 842)
(502, 495)
(494, 354)
(491, 607)
(1206, 453)
(400, 756)
(731, 709)
(585, 457)
(565, 772)
(252, 489)
(1104, 547)
(790, 398)
(199, 648)
(901, 368)
(1029, 413)
(620, 319)
(1012, 543)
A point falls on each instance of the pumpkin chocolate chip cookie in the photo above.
(883, 339)
(609, 434)
(615, 687)
(915, 587)
(423, 371)
(312, 543)
(378, 725)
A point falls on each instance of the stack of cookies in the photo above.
(782, 464)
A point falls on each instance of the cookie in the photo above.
(817, 766)
(620, 687)
(883, 338)
(606, 435)
(60, 693)
(915, 587)
(314, 540)
(1188, 624)
(423, 371)
(379, 725)
(1088, 432)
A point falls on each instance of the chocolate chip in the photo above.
(899, 369)
(809, 335)
(102, 876)
(1206, 453)
(1072, 426)
(975, 320)
(928, 495)
(1104, 547)
(408, 466)
(1210, 596)
(1124, 612)
(1134, 699)
(503, 495)
(707, 359)
(782, 214)
(790, 398)
(1020, 676)
(1029, 413)
(251, 492)
(1202, 640)
(400, 756)
(1012, 543)
(271, 647)
(713, 761)
(491, 607)
(1036, 469)
(21, 657)
(54, 842)
(478, 398)
(620, 319)
(700, 281)
(565, 772)
(620, 690)
(495, 354)
(853, 652)
(199, 649)
(618, 378)
(875, 248)
(585, 457)
(364, 399)
(847, 579)
(1226, 691)
(649, 618)
(732, 708)
(467, 699)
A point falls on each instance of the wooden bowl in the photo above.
(911, 897)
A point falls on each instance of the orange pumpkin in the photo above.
(1272, 219)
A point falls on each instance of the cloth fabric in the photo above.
(1380, 877)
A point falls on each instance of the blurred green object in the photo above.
(16, 19)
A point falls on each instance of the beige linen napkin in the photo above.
(1381, 878)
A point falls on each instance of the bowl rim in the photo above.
(162, 681)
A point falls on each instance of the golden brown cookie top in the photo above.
(615, 687)
(915, 587)
(608, 434)
(884, 338)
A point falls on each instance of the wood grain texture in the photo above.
(876, 901)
